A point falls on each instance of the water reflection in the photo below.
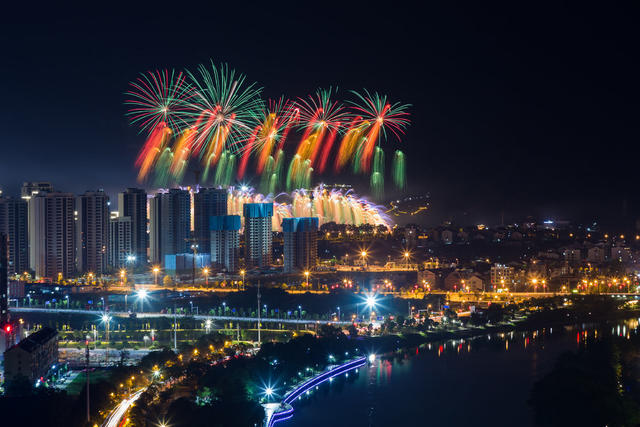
(451, 382)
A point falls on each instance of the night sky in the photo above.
(523, 108)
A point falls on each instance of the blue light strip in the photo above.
(309, 384)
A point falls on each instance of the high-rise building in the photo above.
(207, 202)
(133, 203)
(225, 242)
(120, 241)
(170, 224)
(258, 234)
(300, 243)
(51, 228)
(31, 188)
(92, 232)
(14, 223)
(4, 279)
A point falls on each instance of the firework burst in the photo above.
(381, 117)
(157, 103)
(158, 98)
(217, 117)
(224, 111)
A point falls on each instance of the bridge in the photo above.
(180, 316)
(283, 411)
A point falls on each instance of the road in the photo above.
(114, 418)
(195, 316)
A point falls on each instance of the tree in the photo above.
(328, 331)
(353, 331)
(587, 380)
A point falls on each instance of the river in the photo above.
(479, 381)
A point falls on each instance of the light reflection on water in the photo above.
(451, 382)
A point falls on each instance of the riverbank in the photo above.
(546, 318)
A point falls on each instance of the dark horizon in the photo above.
(526, 111)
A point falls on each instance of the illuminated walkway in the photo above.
(284, 411)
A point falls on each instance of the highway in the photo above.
(114, 418)
(195, 316)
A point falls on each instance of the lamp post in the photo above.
(306, 276)
(130, 259)
(363, 254)
(205, 271)
(406, 257)
(242, 272)
(156, 270)
(106, 319)
(142, 294)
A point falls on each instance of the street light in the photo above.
(363, 254)
(205, 271)
(106, 319)
(370, 301)
(156, 270)
(242, 272)
(269, 392)
(306, 275)
(406, 257)
(142, 295)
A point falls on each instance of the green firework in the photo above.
(221, 169)
(398, 170)
(266, 175)
(230, 170)
(377, 176)
(162, 175)
(278, 168)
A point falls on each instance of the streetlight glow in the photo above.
(371, 301)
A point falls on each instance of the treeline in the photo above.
(596, 386)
